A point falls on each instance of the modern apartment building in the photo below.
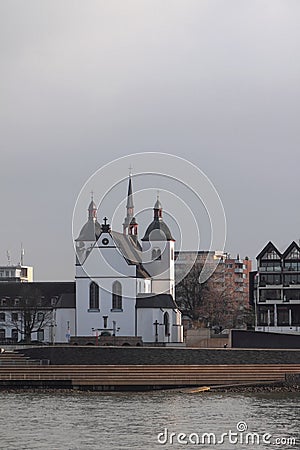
(277, 289)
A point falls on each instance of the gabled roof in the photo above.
(141, 272)
(155, 301)
(291, 247)
(269, 247)
(62, 291)
(130, 249)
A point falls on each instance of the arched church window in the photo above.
(116, 295)
(156, 254)
(166, 324)
(94, 295)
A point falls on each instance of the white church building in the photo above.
(124, 287)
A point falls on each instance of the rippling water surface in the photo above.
(68, 421)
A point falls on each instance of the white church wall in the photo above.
(146, 318)
(161, 270)
(88, 319)
(107, 262)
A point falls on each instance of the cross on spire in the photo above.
(105, 220)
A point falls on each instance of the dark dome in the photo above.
(90, 231)
(159, 231)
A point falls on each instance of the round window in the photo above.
(105, 241)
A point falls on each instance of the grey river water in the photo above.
(92, 421)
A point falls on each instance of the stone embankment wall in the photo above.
(160, 356)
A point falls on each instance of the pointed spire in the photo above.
(129, 194)
(92, 209)
(130, 225)
(157, 208)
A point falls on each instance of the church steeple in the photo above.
(157, 209)
(92, 209)
(130, 225)
(91, 230)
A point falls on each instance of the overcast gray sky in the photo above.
(85, 82)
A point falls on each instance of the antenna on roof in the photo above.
(22, 254)
(8, 257)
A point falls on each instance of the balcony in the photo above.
(238, 270)
(239, 280)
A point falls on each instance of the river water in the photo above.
(93, 421)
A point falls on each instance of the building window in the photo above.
(266, 315)
(270, 294)
(172, 254)
(292, 279)
(117, 296)
(295, 314)
(292, 266)
(2, 334)
(40, 316)
(3, 302)
(270, 279)
(270, 266)
(156, 254)
(54, 301)
(2, 317)
(282, 315)
(166, 324)
(40, 335)
(291, 294)
(24, 272)
(94, 296)
(14, 335)
(14, 317)
(16, 301)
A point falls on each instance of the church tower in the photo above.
(130, 226)
(89, 233)
(158, 253)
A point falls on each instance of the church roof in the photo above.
(90, 231)
(62, 291)
(141, 272)
(158, 230)
(155, 301)
(130, 249)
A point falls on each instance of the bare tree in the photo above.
(215, 302)
(221, 308)
(191, 295)
(32, 314)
